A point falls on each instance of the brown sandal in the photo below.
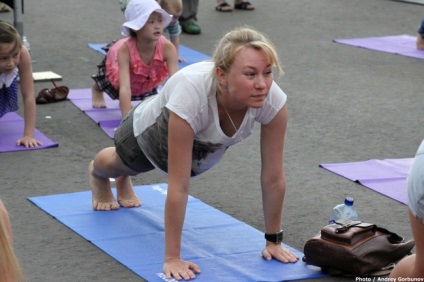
(245, 5)
(224, 7)
(56, 94)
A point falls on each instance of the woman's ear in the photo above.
(221, 76)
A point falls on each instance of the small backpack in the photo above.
(355, 248)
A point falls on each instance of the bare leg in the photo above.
(127, 198)
(412, 266)
(107, 164)
(97, 97)
(102, 198)
(420, 42)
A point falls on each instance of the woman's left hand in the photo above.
(278, 252)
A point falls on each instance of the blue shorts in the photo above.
(416, 185)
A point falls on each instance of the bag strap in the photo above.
(393, 238)
(346, 224)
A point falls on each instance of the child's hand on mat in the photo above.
(28, 142)
(279, 253)
(180, 269)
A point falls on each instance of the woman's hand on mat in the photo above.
(278, 252)
(180, 269)
(28, 142)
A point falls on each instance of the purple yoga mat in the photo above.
(12, 128)
(107, 118)
(404, 45)
(387, 177)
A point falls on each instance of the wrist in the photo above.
(171, 259)
(275, 238)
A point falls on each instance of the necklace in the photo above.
(239, 138)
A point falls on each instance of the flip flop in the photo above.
(245, 5)
(224, 7)
(56, 94)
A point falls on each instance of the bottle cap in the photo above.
(349, 201)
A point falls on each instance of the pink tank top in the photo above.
(143, 78)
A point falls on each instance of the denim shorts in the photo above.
(416, 185)
(127, 147)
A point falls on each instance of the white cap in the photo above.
(137, 13)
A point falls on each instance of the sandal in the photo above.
(245, 5)
(224, 7)
(56, 94)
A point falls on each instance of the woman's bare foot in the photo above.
(102, 198)
(97, 97)
(127, 198)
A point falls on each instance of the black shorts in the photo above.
(127, 147)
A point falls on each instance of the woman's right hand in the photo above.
(180, 269)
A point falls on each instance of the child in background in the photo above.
(174, 8)
(10, 270)
(135, 65)
(15, 61)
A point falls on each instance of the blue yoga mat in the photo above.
(135, 238)
(191, 56)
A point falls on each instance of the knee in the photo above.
(103, 160)
(405, 268)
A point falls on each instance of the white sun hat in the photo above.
(138, 11)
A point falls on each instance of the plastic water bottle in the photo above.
(26, 43)
(345, 211)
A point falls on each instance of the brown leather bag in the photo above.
(355, 248)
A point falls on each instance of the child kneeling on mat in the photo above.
(135, 65)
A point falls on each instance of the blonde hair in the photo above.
(9, 34)
(177, 5)
(238, 39)
(10, 270)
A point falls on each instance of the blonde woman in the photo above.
(186, 129)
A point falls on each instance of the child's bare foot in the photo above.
(420, 42)
(97, 97)
(127, 198)
(102, 198)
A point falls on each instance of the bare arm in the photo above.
(27, 91)
(273, 182)
(180, 146)
(171, 57)
(175, 40)
(124, 79)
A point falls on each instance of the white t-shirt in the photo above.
(191, 94)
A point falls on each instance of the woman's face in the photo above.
(249, 78)
(9, 57)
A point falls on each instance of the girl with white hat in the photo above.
(135, 65)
